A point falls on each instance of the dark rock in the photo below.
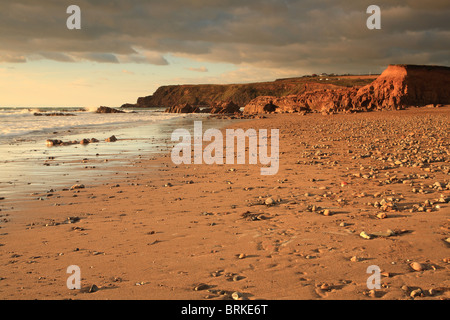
(129, 105)
(183, 108)
(111, 139)
(108, 110)
(225, 108)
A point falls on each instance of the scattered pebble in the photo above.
(236, 295)
(364, 235)
(417, 266)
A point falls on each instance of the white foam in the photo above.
(23, 121)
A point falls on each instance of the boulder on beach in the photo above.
(111, 139)
(54, 142)
(108, 110)
(57, 142)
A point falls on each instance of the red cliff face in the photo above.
(399, 86)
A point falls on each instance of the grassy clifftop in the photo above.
(241, 94)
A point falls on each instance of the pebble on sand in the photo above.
(416, 293)
(93, 288)
(111, 139)
(77, 186)
(236, 295)
(201, 286)
(416, 266)
(364, 235)
(382, 215)
(270, 202)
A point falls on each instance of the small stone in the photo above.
(111, 139)
(355, 259)
(437, 184)
(325, 286)
(237, 278)
(236, 295)
(201, 286)
(242, 256)
(416, 266)
(326, 212)
(93, 288)
(77, 186)
(382, 215)
(270, 202)
(416, 293)
(364, 235)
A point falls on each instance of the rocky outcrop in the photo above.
(217, 108)
(182, 108)
(53, 114)
(269, 104)
(225, 108)
(128, 105)
(56, 142)
(399, 86)
(108, 110)
(402, 86)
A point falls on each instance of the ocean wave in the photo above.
(24, 122)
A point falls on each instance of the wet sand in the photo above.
(211, 233)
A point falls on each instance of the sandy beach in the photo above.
(158, 231)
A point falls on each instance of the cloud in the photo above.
(12, 58)
(81, 82)
(201, 69)
(282, 35)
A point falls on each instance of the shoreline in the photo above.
(34, 163)
(135, 238)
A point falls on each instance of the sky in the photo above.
(127, 49)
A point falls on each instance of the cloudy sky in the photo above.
(126, 49)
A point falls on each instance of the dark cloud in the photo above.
(294, 34)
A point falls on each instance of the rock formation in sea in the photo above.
(108, 110)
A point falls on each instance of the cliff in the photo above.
(399, 86)
(207, 95)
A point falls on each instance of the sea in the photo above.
(29, 167)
